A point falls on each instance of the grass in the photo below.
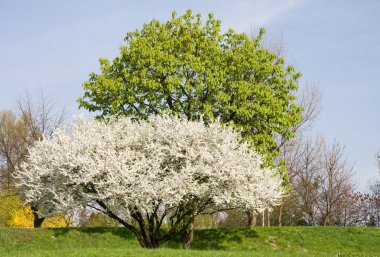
(239, 242)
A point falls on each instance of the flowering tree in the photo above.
(144, 174)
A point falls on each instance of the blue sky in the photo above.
(54, 45)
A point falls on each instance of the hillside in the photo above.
(117, 242)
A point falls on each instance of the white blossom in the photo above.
(142, 165)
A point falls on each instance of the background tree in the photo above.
(20, 130)
(362, 209)
(290, 149)
(149, 172)
(40, 118)
(40, 115)
(305, 179)
(194, 70)
(375, 200)
(309, 99)
(334, 183)
(13, 146)
(321, 185)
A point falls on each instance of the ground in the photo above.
(239, 242)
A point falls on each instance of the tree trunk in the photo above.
(188, 236)
(345, 217)
(264, 218)
(280, 215)
(147, 229)
(326, 221)
(37, 221)
(251, 218)
(150, 245)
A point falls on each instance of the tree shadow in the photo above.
(118, 231)
(219, 239)
(206, 239)
(215, 239)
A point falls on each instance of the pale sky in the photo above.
(54, 45)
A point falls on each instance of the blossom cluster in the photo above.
(132, 165)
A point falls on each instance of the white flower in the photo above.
(141, 165)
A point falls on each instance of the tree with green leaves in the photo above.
(190, 68)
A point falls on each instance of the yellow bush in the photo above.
(13, 213)
(9, 204)
(23, 217)
(56, 221)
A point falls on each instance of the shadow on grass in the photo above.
(118, 231)
(215, 239)
(207, 239)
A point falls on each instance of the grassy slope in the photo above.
(117, 242)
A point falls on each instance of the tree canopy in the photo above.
(149, 172)
(191, 68)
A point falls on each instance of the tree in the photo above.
(362, 209)
(146, 173)
(13, 147)
(19, 131)
(335, 183)
(320, 181)
(192, 69)
(375, 199)
(41, 116)
(310, 101)
(306, 161)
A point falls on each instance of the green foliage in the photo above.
(261, 241)
(193, 69)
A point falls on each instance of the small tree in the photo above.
(375, 199)
(335, 182)
(144, 174)
(14, 140)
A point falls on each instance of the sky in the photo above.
(53, 46)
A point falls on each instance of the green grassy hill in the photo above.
(117, 242)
